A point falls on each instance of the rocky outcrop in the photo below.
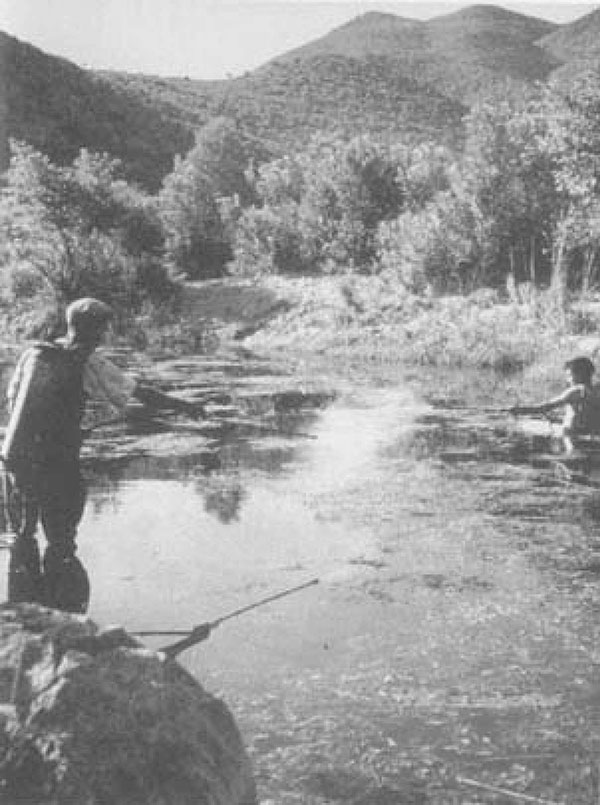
(90, 717)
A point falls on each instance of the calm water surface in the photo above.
(450, 651)
(170, 542)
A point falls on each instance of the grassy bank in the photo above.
(364, 320)
(369, 319)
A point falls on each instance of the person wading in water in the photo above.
(47, 397)
(580, 401)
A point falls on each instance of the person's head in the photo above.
(580, 369)
(87, 321)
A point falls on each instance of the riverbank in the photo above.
(362, 322)
(371, 317)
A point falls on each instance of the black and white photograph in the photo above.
(299, 402)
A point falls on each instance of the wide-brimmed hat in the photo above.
(88, 312)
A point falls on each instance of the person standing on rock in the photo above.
(47, 397)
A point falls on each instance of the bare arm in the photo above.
(166, 402)
(571, 395)
(105, 381)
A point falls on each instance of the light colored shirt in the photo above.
(104, 382)
(107, 388)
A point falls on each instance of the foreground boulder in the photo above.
(89, 717)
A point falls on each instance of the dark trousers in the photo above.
(52, 494)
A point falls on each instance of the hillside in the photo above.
(577, 41)
(59, 108)
(478, 49)
(379, 72)
(342, 94)
(288, 101)
(371, 34)
(188, 102)
(460, 54)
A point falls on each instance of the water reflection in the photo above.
(591, 508)
(29, 505)
(158, 483)
(223, 498)
(173, 537)
(210, 473)
(455, 439)
(62, 584)
(546, 502)
(462, 626)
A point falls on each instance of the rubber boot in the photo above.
(66, 584)
(24, 575)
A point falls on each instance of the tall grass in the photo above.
(370, 318)
(476, 331)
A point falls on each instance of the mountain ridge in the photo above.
(60, 108)
(379, 72)
(576, 40)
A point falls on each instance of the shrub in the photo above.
(319, 210)
(76, 231)
(197, 238)
(466, 331)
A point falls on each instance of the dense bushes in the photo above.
(523, 200)
(314, 211)
(197, 243)
(520, 204)
(73, 231)
(318, 211)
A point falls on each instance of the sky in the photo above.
(207, 38)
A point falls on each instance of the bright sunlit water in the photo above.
(455, 623)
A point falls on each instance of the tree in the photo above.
(350, 188)
(319, 210)
(76, 230)
(436, 247)
(195, 240)
(533, 170)
(510, 178)
(219, 166)
(574, 142)
(424, 171)
(270, 236)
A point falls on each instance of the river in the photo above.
(449, 652)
